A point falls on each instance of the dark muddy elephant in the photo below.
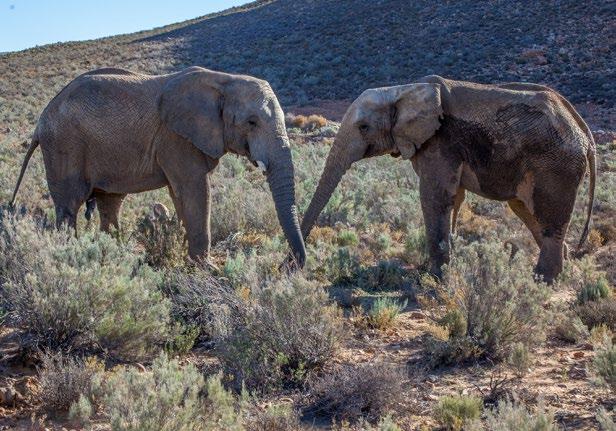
(111, 132)
(520, 143)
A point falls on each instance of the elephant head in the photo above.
(393, 120)
(221, 113)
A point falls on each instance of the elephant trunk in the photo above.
(281, 181)
(338, 162)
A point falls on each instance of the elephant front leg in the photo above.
(437, 208)
(192, 201)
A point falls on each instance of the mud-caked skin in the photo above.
(111, 132)
(520, 143)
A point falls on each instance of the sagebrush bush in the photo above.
(169, 397)
(513, 416)
(353, 392)
(284, 331)
(494, 297)
(63, 379)
(569, 327)
(604, 363)
(454, 412)
(86, 292)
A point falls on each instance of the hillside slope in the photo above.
(313, 50)
(333, 49)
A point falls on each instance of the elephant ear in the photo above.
(191, 106)
(418, 110)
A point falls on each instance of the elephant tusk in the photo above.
(261, 165)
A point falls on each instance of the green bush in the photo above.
(454, 412)
(284, 331)
(512, 416)
(167, 398)
(594, 291)
(495, 297)
(86, 292)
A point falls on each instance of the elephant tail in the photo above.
(24, 165)
(590, 157)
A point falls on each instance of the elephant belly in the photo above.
(130, 170)
(490, 186)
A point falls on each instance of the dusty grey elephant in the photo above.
(520, 143)
(111, 132)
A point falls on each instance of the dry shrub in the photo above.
(570, 328)
(63, 379)
(596, 313)
(162, 237)
(316, 122)
(274, 418)
(384, 312)
(312, 122)
(283, 332)
(353, 392)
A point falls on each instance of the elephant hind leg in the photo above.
(519, 208)
(109, 205)
(68, 197)
(553, 203)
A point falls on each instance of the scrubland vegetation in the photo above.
(121, 332)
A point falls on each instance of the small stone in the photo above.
(578, 355)
(417, 315)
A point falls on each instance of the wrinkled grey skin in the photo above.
(111, 132)
(520, 143)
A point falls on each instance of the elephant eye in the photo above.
(363, 128)
(252, 123)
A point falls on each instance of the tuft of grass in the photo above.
(454, 412)
(604, 419)
(355, 392)
(383, 313)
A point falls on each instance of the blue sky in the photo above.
(27, 23)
